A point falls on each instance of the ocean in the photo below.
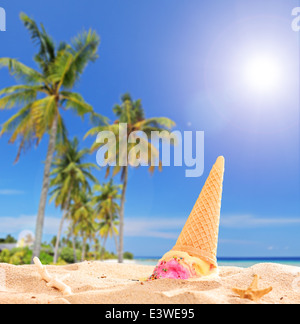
(231, 262)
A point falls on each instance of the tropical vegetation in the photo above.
(8, 240)
(43, 94)
(70, 176)
(21, 256)
(132, 114)
(107, 211)
(93, 212)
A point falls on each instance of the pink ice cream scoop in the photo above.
(172, 270)
(180, 265)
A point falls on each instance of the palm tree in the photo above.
(72, 233)
(131, 113)
(83, 218)
(108, 228)
(107, 210)
(69, 176)
(96, 246)
(43, 94)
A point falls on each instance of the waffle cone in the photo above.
(199, 237)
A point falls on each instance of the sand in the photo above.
(104, 283)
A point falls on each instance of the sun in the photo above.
(262, 74)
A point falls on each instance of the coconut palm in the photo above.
(83, 218)
(43, 94)
(107, 209)
(108, 228)
(96, 246)
(69, 176)
(131, 113)
(72, 233)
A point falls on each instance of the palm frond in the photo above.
(22, 87)
(75, 101)
(59, 68)
(43, 112)
(69, 172)
(18, 98)
(157, 122)
(85, 47)
(21, 127)
(62, 134)
(42, 39)
(11, 124)
(21, 71)
(98, 119)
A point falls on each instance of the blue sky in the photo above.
(185, 60)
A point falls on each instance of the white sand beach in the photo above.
(107, 283)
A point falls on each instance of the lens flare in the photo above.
(262, 74)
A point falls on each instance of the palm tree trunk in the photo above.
(61, 225)
(116, 241)
(122, 208)
(103, 248)
(83, 250)
(113, 232)
(74, 246)
(43, 200)
(96, 247)
(58, 236)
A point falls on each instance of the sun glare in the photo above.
(262, 74)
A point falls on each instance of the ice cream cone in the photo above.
(199, 237)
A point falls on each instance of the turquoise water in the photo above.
(234, 262)
(252, 262)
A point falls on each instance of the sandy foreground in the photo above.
(104, 283)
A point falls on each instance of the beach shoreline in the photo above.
(110, 283)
